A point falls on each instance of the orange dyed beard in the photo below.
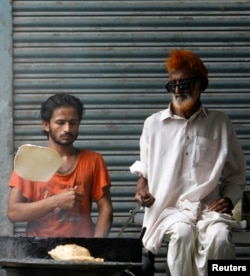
(183, 105)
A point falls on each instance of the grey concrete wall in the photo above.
(6, 120)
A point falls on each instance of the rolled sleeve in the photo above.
(138, 168)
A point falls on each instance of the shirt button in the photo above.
(186, 153)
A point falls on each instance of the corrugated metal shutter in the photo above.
(111, 55)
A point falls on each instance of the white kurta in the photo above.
(184, 160)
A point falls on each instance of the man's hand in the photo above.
(142, 194)
(68, 199)
(222, 205)
(146, 200)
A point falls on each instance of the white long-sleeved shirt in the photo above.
(184, 160)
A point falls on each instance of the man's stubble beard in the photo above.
(58, 142)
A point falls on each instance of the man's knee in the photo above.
(182, 231)
(220, 233)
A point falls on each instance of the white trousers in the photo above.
(191, 246)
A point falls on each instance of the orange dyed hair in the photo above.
(185, 59)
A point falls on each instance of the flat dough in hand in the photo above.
(36, 163)
(73, 252)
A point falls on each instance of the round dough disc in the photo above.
(36, 163)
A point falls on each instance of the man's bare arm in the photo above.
(21, 210)
(105, 216)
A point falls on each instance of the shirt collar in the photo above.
(167, 113)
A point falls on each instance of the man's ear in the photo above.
(204, 84)
(45, 125)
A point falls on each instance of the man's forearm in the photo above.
(22, 212)
(103, 225)
(142, 185)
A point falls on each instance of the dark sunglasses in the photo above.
(182, 85)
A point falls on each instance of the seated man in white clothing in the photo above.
(192, 172)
